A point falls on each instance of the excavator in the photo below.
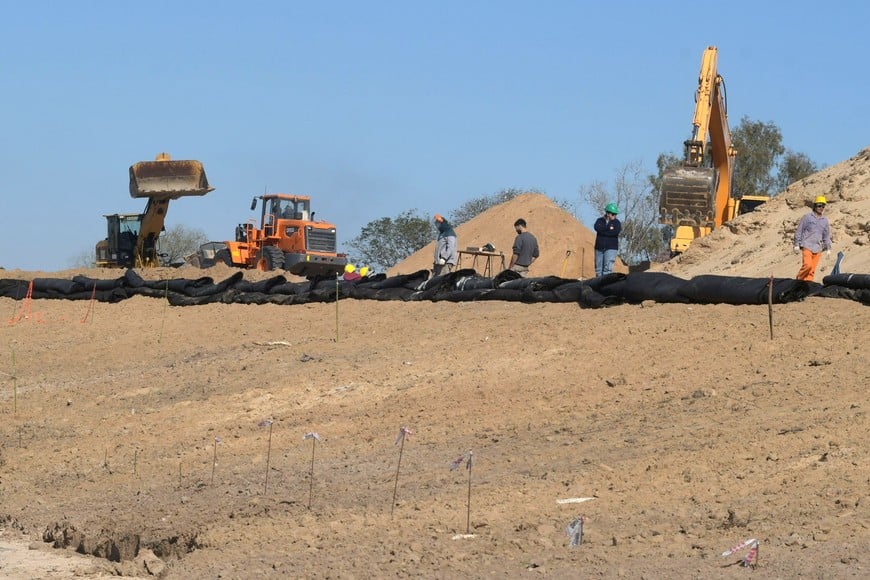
(696, 197)
(132, 238)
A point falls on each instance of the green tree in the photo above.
(385, 242)
(759, 146)
(638, 202)
(476, 206)
(794, 167)
(179, 241)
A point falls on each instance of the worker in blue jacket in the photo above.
(607, 228)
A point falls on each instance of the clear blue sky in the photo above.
(377, 107)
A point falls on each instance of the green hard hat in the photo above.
(611, 208)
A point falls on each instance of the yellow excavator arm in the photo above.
(696, 196)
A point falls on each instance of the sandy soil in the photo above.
(139, 434)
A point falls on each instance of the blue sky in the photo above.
(377, 107)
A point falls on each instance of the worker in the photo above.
(525, 249)
(350, 272)
(607, 229)
(445, 247)
(813, 234)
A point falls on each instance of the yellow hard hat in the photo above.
(349, 268)
(364, 271)
(820, 199)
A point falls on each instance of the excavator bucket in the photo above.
(168, 179)
(688, 196)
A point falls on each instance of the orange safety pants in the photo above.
(808, 268)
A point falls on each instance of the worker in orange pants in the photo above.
(813, 234)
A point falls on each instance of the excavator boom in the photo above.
(696, 196)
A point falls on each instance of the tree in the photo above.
(638, 202)
(385, 242)
(794, 167)
(759, 146)
(474, 207)
(178, 242)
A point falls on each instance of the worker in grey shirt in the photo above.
(525, 250)
(813, 234)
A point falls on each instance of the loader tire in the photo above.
(223, 257)
(270, 258)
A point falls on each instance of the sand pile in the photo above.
(567, 246)
(759, 244)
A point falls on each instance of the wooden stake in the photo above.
(770, 305)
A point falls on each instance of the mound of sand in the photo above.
(567, 246)
(759, 244)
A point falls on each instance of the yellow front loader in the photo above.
(132, 238)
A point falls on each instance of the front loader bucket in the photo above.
(687, 196)
(168, 179)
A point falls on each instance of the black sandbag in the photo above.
(711, 289)
(100, 285)
(176, 299)
(132, 279)
(600, 281)
(589, 298)
(55, 287)
(387, 294)
(151, 292)
(505, 294)
(15, 289)
(264, 298)
(505, 276)
(535, 284)
(533, 296)
(402, 281)
(569, 292)
(854, 281)
(640, 286)
(291, 288)
(181, 285)
(861, 295)
(462, 295)
(474, 283)
(263, 286)
(219, 288)
(447, 280)
(111, 296)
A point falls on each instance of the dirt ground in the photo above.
(142, 435)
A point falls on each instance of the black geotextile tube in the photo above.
(854, 281)
(15, 289)
(55, 287)
(589, 298)
(640, 286)
(710, 289)
(411, 281)
(861, 295)
(91, 283)
(535, 284)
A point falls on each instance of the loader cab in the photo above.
(119, 247)
(286, 209)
